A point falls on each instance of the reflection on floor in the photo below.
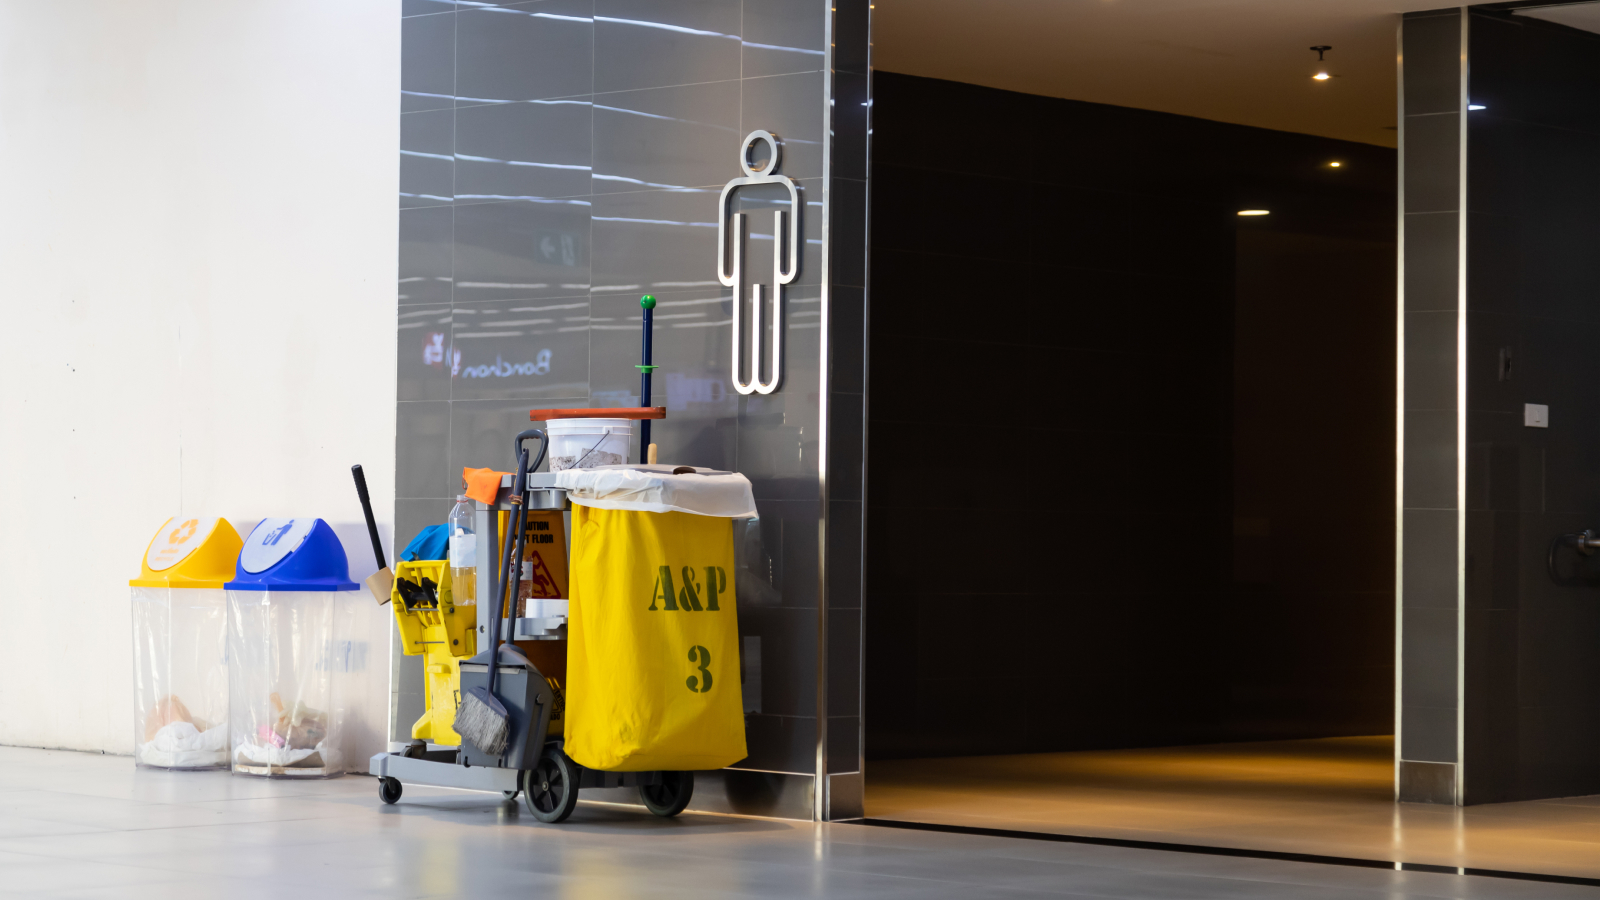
(1332, 797)
(76, 825)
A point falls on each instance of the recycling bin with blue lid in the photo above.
(290, 611)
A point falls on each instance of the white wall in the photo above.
(197, 258)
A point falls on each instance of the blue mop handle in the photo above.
(648, 303)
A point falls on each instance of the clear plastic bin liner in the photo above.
(287, 652)
(180, 678)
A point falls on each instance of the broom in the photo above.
(482, 718)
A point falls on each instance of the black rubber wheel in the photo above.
(511, 795)
(389, 789)
(670, 796)
(550, 789)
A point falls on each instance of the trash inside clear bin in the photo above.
(180, 671)
(180, 668)
(288, 698)
(290, 615)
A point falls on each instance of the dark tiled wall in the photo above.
(562, 157)
(1430, 583)
(1532, 723)
(1197, 544)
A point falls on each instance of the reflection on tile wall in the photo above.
(560, 158)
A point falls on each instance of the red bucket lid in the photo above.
(624, 412)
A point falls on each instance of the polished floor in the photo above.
(79, 825)
(1330, 797)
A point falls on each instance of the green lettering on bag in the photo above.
(716, 583)
(690, 596)
(663, 590)
(699, 654)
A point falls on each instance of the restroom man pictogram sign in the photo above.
(785, 266)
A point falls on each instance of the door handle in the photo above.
(1586, 542)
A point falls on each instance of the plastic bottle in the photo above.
(463, 553)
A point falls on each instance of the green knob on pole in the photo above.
(646, 367)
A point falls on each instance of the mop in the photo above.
(482, 718)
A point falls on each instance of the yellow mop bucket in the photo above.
(653, 633)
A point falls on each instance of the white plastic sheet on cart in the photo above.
(656, 489)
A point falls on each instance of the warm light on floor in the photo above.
(1331, 797)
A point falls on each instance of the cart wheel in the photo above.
(511, 795)
(550, 789)
(388, 789)
(670, 796)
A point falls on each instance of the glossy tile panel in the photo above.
(647, 43)
(425, 7)
(783, 36)
(422, 430)
(671, 137)
(521, 250)
(515, 52)
(1431, 517)
(481, 433)
(427, 164)
(424, 353)
(654, 240)
(693, 328)
(521, 349)
(563, 157)
(522, 151)
(780, 105)
(427, 244)
(427, 62)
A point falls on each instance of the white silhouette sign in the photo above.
(785, 266)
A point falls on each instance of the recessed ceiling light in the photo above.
(1335, 164)
(1322, 71)
(1253, 212)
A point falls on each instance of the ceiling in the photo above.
(1240, 61)
(1576, 15)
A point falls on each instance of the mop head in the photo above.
(481, 718)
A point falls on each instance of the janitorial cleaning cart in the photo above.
(650, 692)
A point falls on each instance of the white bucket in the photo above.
(587, 443)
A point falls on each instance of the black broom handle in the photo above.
(366, 510)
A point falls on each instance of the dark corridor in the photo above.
(1173, 428)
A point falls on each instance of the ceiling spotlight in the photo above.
(1322, 70)
(1335, 164)
(1253, 212)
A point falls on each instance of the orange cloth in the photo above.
(483, 485)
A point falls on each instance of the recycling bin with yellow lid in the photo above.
(180, 669)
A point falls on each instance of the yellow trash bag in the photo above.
(653, 642)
